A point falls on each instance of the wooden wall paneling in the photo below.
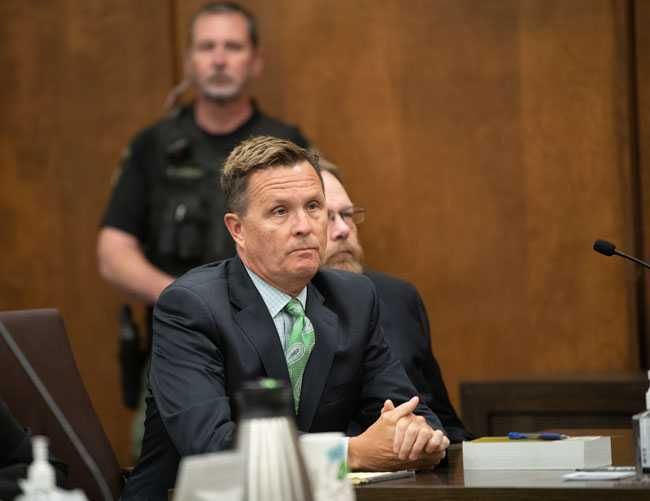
(641, 11)
(82, 79)
(575, 128)
(31, 219)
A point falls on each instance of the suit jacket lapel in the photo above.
(255, 321)
(325, 324)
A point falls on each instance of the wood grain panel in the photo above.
(80, 78)
(577, 156)
(641, 10)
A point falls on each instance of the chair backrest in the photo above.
(40, 334)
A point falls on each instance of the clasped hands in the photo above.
(398, 440)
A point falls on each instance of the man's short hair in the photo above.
(259, 153)
(224, 8)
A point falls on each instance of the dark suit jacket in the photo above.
(405, 323)
(212, 332)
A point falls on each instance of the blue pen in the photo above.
(545, 435)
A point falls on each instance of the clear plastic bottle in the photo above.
(40, 483)
(641, 428)
(40, 473)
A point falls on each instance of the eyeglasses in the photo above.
(356, 215)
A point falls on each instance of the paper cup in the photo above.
(325, 456)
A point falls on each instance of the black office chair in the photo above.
(40, 334)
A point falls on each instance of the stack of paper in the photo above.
(501, 453)
(370, 477)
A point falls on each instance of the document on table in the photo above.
(598, 475)
(369, 477)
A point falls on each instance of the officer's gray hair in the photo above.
(259, 153)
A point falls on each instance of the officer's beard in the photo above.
(220, 89)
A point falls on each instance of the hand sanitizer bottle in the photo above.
(40, 483)
(40, 473)
(641, 427)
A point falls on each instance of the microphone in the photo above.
(609, 249)
(60, 417)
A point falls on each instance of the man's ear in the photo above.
(234, 224)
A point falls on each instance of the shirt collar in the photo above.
(274, 299)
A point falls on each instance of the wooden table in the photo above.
(452, 483)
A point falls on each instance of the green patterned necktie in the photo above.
(299, 345)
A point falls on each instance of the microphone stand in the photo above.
(632, 258)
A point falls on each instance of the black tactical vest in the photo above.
(186, 204)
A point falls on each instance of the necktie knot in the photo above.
(294, 308)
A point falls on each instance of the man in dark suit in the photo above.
(270, 313)
(401, 314)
